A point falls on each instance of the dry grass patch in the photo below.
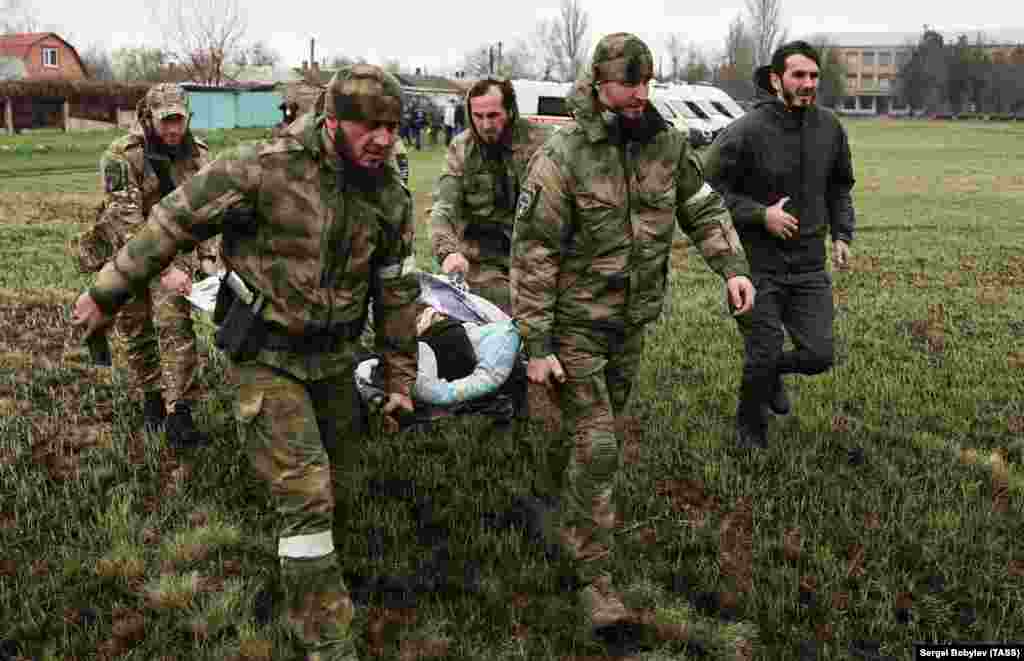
(39, 208)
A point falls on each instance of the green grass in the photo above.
(887, 509)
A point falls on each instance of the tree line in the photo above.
(962, 76)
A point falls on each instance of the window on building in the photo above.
(869, 58)
(883, 84)
(885, 59)
(851, 81)
(852, 59)
(850, 103)
(49, 57)
(869, 82)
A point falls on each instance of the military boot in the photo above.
(181, 430)
(154, 411)
(751, 426)
(319, 610)
(779, 403)
(601, 606)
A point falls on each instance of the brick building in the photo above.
(45, 56)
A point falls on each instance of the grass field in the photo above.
(887, 510)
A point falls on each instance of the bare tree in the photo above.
(18, 16)
(831, 71)
(571, 36)
(97, 61)
(203, 37)
(139, 64)
(765, 27)
(259, 54)
(697, 68)
(544, 44)
(738, 58)
(674, 48)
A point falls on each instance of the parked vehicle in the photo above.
(720, 100)
(542, 101)
(673, 110)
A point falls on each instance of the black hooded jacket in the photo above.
(771, 153)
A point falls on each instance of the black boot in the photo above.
(154, 411)
(181, 430)
(751, 424)
(779, 403)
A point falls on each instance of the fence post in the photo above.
(9, 114)
(67, 115)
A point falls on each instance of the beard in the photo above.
(798, 101)
(360, 176)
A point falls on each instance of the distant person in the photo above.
(460, 118)
(289, 111)
(476, 194)
(785, 171)
(158, 155)
(449, 121)
(420, 124)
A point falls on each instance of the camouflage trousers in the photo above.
(291, 430)
(160, 344)
(492, 282)
(599, 378)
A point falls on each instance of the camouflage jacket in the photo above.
(316, 251)
(595, 225)
(475, 198)
(131, 188)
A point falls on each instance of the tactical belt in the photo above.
(279, 340)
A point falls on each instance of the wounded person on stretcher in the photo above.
(459, 362)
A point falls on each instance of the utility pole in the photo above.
(312, 50)
(499, 56)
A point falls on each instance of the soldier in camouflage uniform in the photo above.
(332, 227)
(474, 203)
(138, 169)
(590, 255)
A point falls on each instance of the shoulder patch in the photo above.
(524, 206)
(115, 178)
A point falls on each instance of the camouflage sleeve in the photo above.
(444, 215)
(192, 213)
(840, 203)
(724, 169)
(394, 307)
(543, 217)
(122, 192)
(703, 216)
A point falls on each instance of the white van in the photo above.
(700, 107)
(720, 100)
(542, 101)
(668, 100)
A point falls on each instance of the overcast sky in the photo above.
(437, 33)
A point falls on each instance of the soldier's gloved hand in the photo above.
(741, 294)
(542, 370)
(455, 262)
(177, 281)
(89, 315)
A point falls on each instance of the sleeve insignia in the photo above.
(113, 177)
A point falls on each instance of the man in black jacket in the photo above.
(784, 170)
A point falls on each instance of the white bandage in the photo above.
(704, 191)
(316, 545)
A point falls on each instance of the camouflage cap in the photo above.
(166, 100)
(363, 93)
(622, 57)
